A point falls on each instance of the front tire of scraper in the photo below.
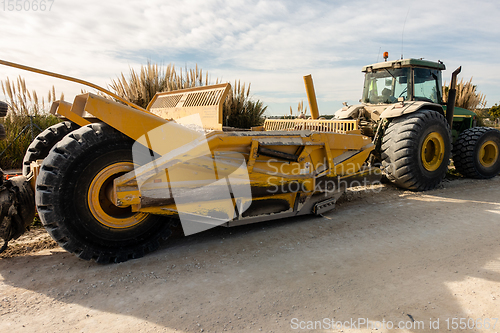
(72, 196)
(4, 108)
(3, 133)
(43, 143)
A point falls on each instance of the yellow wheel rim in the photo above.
(488, 154)
(433, 151)
(99, 201)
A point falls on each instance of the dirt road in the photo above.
(397, 257)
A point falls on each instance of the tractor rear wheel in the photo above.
(476, 153)
(73, 198)
(416, 150)
(3, 112)
(4, 107)
(43, 143)
(3, 133)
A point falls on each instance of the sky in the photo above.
(269, 44)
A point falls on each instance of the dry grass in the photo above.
(22, 102)
(300, 109)
(140, 88)
(15, 145)
(467, 96)
(240, 111)
(28, 113)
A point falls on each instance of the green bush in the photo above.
(240, 111)
(26, 118)
(14, 149)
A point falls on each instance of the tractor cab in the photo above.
(414, 82)
(403, 80)
(395, 88)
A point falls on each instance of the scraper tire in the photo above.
(43, 143)
(73, 201)
(4, 107)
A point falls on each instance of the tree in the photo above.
(494, 112)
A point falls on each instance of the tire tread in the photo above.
(464, 157)
(51, 174)
(399, 150)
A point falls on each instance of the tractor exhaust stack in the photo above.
(452, 94)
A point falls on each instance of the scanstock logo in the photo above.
(208, 189)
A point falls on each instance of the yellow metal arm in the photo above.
(69, 78)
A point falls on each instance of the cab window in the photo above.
(427, 85)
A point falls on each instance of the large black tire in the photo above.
(3, 112)
(43, 143)
(416, 150)
(3, 133)
(476, 153)
(4, 107)
(72, 201)
(17, 207)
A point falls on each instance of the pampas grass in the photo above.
(467, 96)
(22, 102)
(25, 109)
(240, 111)
(139, 87)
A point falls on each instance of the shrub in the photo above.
(14, 147)
(22, 102)
(240, 111)
(140, 87)
(26, 118)
(467, 96)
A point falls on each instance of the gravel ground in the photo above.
(385, 256)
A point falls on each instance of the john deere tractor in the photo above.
(414, 132)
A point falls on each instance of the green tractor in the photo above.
(415, 132)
